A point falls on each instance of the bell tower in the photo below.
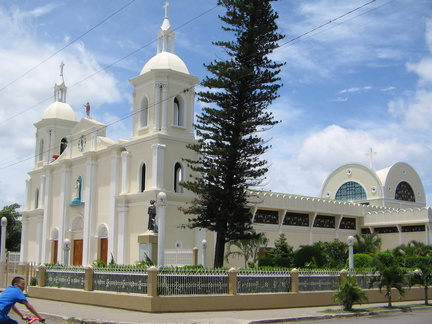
(164, 91)
(53, 129)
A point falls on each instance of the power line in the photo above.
(66, 46)
(100, 70)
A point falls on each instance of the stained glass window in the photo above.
(351, 191)
(404, 192)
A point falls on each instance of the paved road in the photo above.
(413, 317)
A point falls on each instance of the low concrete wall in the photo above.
(165, 304)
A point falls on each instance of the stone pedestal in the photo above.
(148, 245)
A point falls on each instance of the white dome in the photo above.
(59, 110)
(165, 60)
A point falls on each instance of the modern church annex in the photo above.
(88, 196)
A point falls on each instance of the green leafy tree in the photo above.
(335, 253)
(247, 249)
(13, 229)
(367, 243)
(423, 273)
(349, 293)
(229, 149)
(309, 256)
(413, 248)
(389, 274)
(281, 256)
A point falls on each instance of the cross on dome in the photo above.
(166, 34)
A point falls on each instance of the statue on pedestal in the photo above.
(152, 215)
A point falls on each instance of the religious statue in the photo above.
(77, 190)
(152, 215)
(87, 107)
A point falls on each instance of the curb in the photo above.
(324, 317)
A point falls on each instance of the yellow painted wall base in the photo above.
(165, 304)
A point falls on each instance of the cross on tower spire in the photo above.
(167, 4)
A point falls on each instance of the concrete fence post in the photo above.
(42, 276)
(195, 256)
(343, 276)
(88, 278)
(232, 281)
(152, 280)
(294, 280)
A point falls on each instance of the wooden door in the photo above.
(104, 250)
(55, 252)
(77, 252)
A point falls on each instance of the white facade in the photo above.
(94, 192)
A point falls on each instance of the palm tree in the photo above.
(349, 293)
(423, 276)
(249, 249)
(389, 275)
(367, 243)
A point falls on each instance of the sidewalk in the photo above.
(90, 314)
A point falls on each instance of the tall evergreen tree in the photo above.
(238, 94)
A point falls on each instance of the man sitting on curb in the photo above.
(11, 295)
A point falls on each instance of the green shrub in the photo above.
(362, 260)
(349, 293)
(308, 254)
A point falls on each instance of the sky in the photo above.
(357, 76)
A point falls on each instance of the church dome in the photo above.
(59, 110)
(165, 60)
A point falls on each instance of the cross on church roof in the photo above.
(371, 154)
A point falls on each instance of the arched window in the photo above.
(178, 177)
(404, 192)
(143, 178)
(63, 144)
(144, 113)
(178, 113)
(41, 149)
(36, 204)
(351, 191)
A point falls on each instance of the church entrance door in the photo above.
(104, 250)
(77, 252)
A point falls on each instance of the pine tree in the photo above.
(229, 148)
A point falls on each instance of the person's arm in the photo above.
(17, 311)
(33, 310)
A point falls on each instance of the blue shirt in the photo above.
(8, 298)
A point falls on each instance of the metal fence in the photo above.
(67, 277)
(128, 280)
(263, 282)
(192, 282)
(179, 281)
(178, 258)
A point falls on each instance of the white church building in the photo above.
(88, 195)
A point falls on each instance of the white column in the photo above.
(69, 146)
(28, 194)
(24, 240)
(89, 207)
(65, 199)
(161, 202)
(42, 191)
(125, 184)
(157, 107)
(123, 212)
(112, 226)
(164, 107)
(40, 240)
(190, 112)
(158, 153)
